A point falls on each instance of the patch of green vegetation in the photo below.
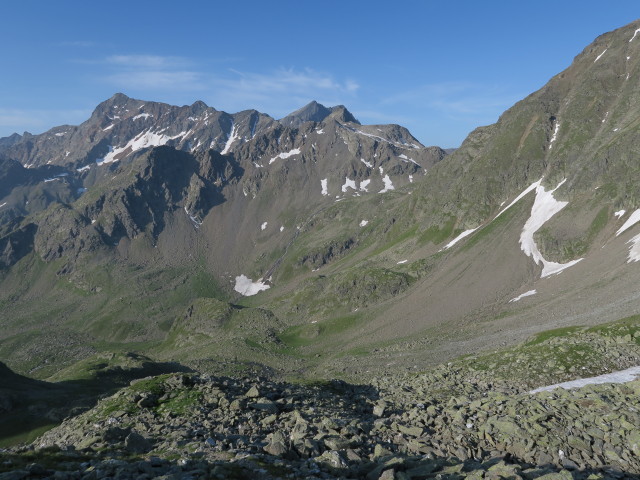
(555, 333)
(437, 234)
(395, 236)
(181, 403)
(627, 329)
(153, 385)
(320, 332)
(325, 296)
(490, 229)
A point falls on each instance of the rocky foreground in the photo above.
(196, 426)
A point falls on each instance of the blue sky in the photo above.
(439, 68)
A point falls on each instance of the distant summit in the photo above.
(316, 112)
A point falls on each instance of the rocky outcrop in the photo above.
(224, 426)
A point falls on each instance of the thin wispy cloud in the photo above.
(288, 80)
(153, 72)
(157, 80)
(148, 61)
(279, 91)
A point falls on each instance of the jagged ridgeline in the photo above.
(314, 245)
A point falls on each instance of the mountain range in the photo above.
(314, 245)
(451, 287)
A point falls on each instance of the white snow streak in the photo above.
(323, 184)
(410, 178)
(284, 155)
(82, 169)
(55, 177)
(108, 128)
(401, 145)
(368, 164)
(544, 207)
(634, 35)
(464, 234)
(619, 213)
(233, 136)
(348, 183)
(364, 223)
(263, 226)
(247, 287)
(525, 294)
(194, 219)
(388, 185)
(144, 140)
(320, 132)
(401, 262)
(407, 159)
(631, 221)
(3, 204)
(634, 250)
(282, 228)
(555, 135)
(142, 115)
(598, 57)
(364, 184)
(533, 186)
(623, 376)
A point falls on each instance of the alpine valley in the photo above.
(231, 253)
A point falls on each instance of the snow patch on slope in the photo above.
(525, 294)
(407, 159)
(348, 183)
(388, 185)
(364, 184)
(623, 376)
(144, 140)
(295, 151)
(323, 184)
(598, 57)
(634, 250)
(531, 187)
(247, 287)
(619, 213)
(464, 234)
(233, 136)
(631, 221)
(194, 219)
(555, 135)
(544, 207)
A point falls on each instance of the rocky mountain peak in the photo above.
(341, 114)
(316, 112)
